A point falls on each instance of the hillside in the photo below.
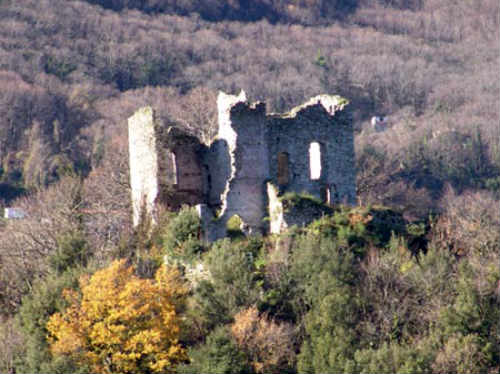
(408, 281)
(361, 290)
(71, 81)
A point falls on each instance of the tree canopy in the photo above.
(120, 322)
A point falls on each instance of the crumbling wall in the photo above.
(165, 165)
(255, 160)
(323, 120)
(217, 165)
(143, 161)
(188, 181)
(277, 221)
(293, 209)
(242, 127)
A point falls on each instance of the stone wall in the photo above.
(143, 160)
(242, 128)
(166, 166)
(325, 121)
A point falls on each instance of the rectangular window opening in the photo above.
(315, 160)
(325, 194)
(283, 171)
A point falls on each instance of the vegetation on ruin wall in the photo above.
(300, 201)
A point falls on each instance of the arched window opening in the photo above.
(315, 160)
(283, 172)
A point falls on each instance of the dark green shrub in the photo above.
(44, 300)
(219, 355)
(302, 201)
(232, 283)
(326, 276)
(180, 237)
(359, 227)
(58, 67)
(72, 251)
(475, 309)
(393, 358)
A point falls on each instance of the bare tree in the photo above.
(107, 203)
(26, 243)
(197, 111)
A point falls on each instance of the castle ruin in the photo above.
(255, 159)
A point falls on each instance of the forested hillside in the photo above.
(407, 282)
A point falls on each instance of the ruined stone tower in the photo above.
(256, 159)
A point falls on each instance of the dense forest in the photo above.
(406, 282)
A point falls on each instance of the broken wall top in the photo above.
(238, 104)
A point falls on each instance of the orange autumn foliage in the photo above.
(270, 346)
(121, 323)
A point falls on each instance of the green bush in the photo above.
(326, 275)
(219, 355)
(393, 358)
(359, 227)
(180, 237)
(58, 67)
(72, 251)
(232, 283)
(44, 300)
(474, 309)
(302, 201)
(233, 228)
(462, 355)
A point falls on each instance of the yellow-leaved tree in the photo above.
(121, 323)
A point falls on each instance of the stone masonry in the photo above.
(143, 162)
(255, 159)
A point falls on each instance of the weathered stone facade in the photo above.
(143, 161)
(256, 158)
